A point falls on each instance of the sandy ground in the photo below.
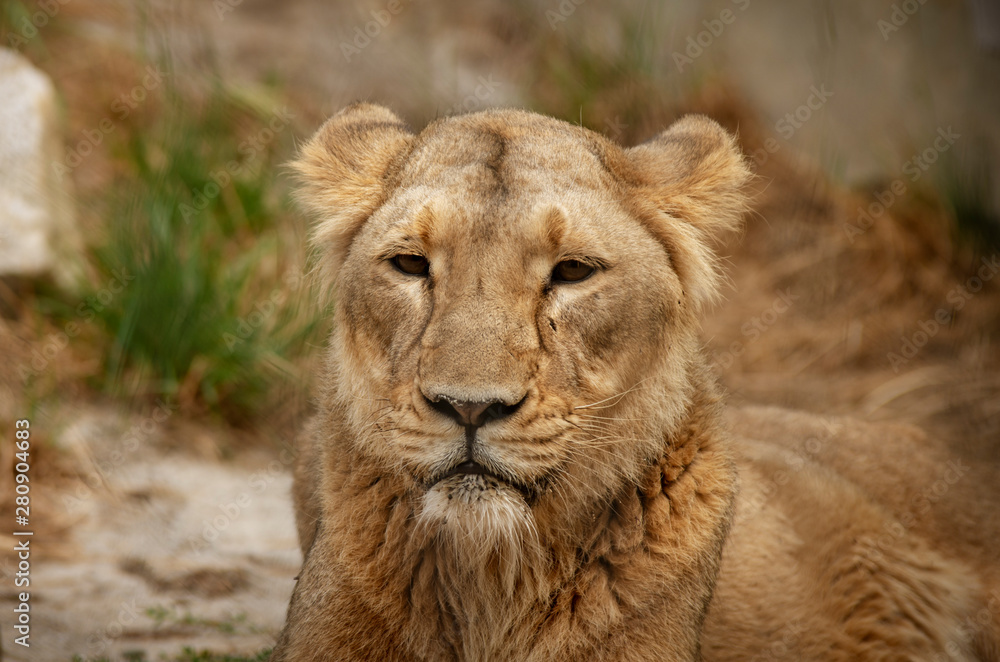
(160, 548)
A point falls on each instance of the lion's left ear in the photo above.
(693, 176)
(343, 176)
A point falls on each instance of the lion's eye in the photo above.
(415, 265)
(572, 271)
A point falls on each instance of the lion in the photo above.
(521, 453)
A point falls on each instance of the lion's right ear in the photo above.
(694, 176)
(342, 172)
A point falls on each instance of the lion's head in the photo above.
(515, 343)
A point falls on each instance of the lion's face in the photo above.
(516, 302)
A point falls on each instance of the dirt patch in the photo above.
(164, 549)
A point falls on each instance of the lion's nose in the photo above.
(472, 413)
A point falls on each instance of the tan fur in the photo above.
(600, 534)
(857, 541)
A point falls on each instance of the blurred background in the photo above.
(157, 322)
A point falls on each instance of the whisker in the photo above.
(617, 395)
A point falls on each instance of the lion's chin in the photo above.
(476, 503)
(475, 522)
(483, 534)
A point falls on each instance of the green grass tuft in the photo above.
(203, 256)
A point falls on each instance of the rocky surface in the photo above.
(37, 228)
(158, 548)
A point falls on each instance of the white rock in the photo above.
(38, 232)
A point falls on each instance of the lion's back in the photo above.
(855, 541)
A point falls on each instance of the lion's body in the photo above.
(856, 541)
(512, 465)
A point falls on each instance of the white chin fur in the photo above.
(480, 506)
(474, 519)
